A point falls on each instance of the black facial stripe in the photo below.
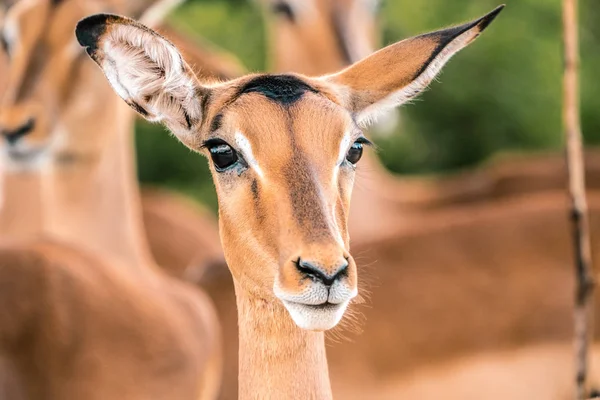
(338, 32)
(4, 43)
(284, 9)
(258, 208)
(34, 69)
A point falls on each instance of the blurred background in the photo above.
(503, 95)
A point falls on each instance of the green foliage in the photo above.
(503, 93)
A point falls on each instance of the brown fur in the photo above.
(292, 208)
(91, 185)
(76, 110)
(501, 312)
(77, 327)
(169, 218)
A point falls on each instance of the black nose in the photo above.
(13, 136)
(315, 272)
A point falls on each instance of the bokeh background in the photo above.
(502, 95)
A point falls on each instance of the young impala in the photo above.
(80, 321)
(91, 156)
(284, 150)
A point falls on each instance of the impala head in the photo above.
(283, 150)
(49, 82)
(42, 60)
(320, 36)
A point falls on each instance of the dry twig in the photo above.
(579, 210)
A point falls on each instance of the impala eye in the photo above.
(222, 155)
(355, 153)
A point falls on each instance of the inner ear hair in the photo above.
(146, 70)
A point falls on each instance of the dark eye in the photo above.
(223, 156)
(355, 153)
(282, 8)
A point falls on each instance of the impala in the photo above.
(284, 150)
(78, 321)
(47, 120)
(517, 333)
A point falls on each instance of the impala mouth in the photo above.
(25, 158)
(23, 155)
(316, 317)
(327, 306)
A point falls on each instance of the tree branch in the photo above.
(579, 210)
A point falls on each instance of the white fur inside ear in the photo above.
(146, 69)
(370, 114)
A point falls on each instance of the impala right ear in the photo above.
(146, 71)
(399, 72)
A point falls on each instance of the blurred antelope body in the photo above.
(79, 321)
(283, 151)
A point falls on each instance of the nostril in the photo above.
(12, 136)
(314, 272)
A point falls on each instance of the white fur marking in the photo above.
(344, 147)
(246, 148)
(133, 57)
(11, 32)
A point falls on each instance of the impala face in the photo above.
(45, 103)
(283, 151)
(291, 176)
(42, 65)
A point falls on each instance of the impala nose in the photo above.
(12, 136)
(318, 272)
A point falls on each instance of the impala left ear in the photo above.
(399, 72)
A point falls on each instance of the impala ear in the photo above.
(146, 71)
(399, 72)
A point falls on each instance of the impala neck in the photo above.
(20, 204)
(278, 359)
(92, 199)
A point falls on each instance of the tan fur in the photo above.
(432, 227)
(292, 190)
(69, 139)
(380, 201)
(434, 299)
(170, 218)
(77, 327)
(147, 317)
